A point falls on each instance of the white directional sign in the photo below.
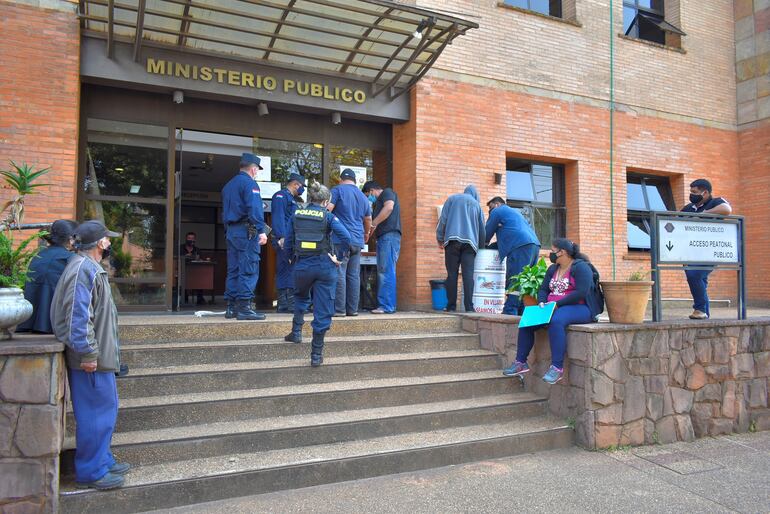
(698, 242)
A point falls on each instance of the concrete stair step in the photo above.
(156, 354)
(180, 328)
(206, 479)
(202, 378)
(146, 447)
(211, 407)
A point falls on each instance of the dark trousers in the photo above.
(319, 274)
(457, 254)
(348, 292)
(514, 262)
(698, 280)
(242, 265)
(557, 333)
(95, 405)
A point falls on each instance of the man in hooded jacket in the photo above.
(460, 233)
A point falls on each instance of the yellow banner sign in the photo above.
(254, 81)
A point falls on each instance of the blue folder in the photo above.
(535, 315)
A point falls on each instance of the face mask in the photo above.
(190, 243)
(106, 252)
(372, 198)
(300, 191)
(696, 198)
(553, 257)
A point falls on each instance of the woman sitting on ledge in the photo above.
(569, 282)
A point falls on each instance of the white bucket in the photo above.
(488, 282)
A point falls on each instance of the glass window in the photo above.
(644, 19)
(356, 158)
(289, 157)
(645, 194)
(549, 7)
(537, 191)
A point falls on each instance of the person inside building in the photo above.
(353, 209)
(316, 260)
(517, 243)
(190, 252)
(44, 272)
(386, 228)
(85, 319)
(283, 206)
(570, 282)
(244, 221)
(460, 233)
(702, 201)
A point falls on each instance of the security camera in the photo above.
(178, 97)
(336, 118)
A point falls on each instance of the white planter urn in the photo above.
(14, 309)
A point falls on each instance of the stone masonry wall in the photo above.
(31, 423)
(651, 383)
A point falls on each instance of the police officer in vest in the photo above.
(283, 205)
(244, 221)
(315, 266)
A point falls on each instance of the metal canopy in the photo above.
(388, 44)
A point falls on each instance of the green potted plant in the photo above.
(15, 258)
(527, 283)
(627, 300)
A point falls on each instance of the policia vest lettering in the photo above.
(311, 232)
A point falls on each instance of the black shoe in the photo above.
(352, 314)
(120, 468)
(316, 360)
(316, 353)
(230, 312)
(108, 481)
(246, 313)
(123, 371)
(293, 337)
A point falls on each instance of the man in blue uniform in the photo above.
(283, 206)
(309, 240)
(701, 200)
(353, 209)
(516, 242)
(244, 221)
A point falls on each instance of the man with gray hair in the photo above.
(85, 319)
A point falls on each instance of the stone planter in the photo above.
(14, 309)
(626, 300)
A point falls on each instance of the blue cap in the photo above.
(297, 178)
(250, 158)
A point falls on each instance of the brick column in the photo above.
(31, 423)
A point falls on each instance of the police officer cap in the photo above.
(248, 159)
(296, 177)
(348, 174)
(92, 231)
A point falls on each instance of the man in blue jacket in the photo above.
(244, 220)
(283, 207)
(516, 242)
(460, 233)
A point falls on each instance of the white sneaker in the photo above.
(696, 314)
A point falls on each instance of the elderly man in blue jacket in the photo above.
(516, 242)
(460, 233)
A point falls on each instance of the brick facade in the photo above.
(40, 100)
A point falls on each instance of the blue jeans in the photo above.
(242, 264)
(319, 274)
(388, 248)
(95, 405)
(515, 261)
(698, 280)
(557, 333)
(349, 282)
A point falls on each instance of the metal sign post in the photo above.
(695, 241)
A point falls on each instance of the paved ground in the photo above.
(725, 474)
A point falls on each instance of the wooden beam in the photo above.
(184, 25)
(426, 67)
(139, 33)
(110, 29)
(361, 40)
(278, 27)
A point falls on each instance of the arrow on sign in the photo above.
(669, 246)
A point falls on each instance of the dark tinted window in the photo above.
(537, 191)
(645, 194)
(549, 7)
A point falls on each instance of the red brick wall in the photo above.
(39, 102)
(755, 191)
(460, 134)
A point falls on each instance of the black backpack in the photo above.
(596, 290)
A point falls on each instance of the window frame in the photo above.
(560, 14)
(657, 14)
(558, 195)
(644, 216)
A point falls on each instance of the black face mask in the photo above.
(106, 252)
(696, 198)
(190, 243)
(553, 257)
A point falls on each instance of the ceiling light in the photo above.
(119, 169)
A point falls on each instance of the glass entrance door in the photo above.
(125, 186)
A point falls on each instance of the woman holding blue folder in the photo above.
(571, 285)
